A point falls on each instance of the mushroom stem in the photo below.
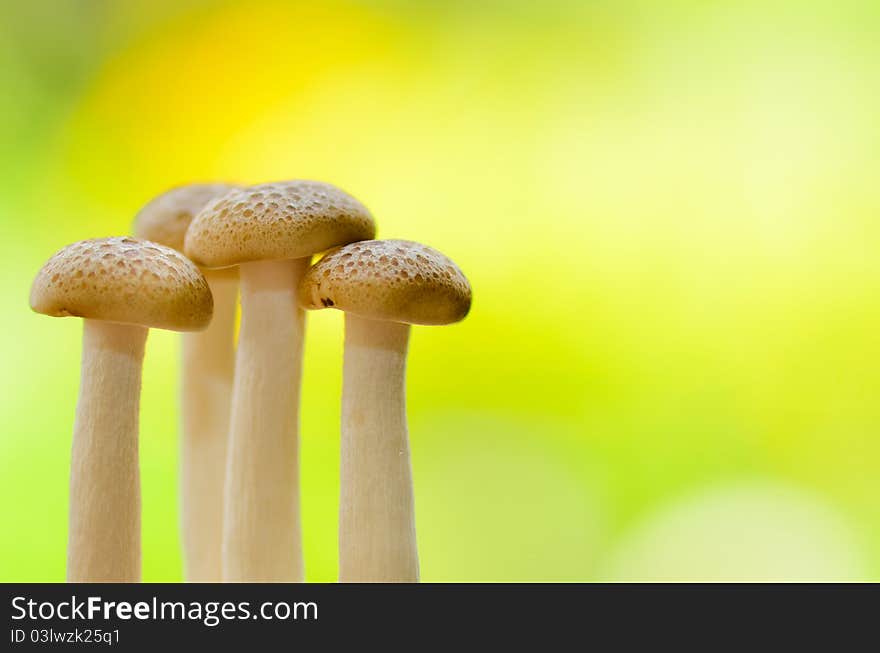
(261, 530)
(206, 389)
(105, 503)
(377, 534)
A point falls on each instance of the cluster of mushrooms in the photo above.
(195, 249)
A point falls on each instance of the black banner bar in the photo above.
(395, 617)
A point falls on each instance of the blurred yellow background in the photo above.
(669, 212)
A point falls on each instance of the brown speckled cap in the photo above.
(124, 280)
(166, 217)
(394, 280)
(290, 219)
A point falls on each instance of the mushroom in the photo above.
(122, 287)
(271, 232)
(206, 385)
(383, 286)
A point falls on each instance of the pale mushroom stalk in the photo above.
(382, 286)
(206, 392)
(105, 515)
(206, 385)
(270, 231)
(262, 540)
(377, 534)
(121, 287)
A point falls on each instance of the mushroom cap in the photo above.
(124, 280)
(166, 217)
(290, 219)
(394, 280)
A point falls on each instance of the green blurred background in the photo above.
(669, 212)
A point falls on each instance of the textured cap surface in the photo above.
(290, 219)
(124, 280)
(166, 217)
(395, 280)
